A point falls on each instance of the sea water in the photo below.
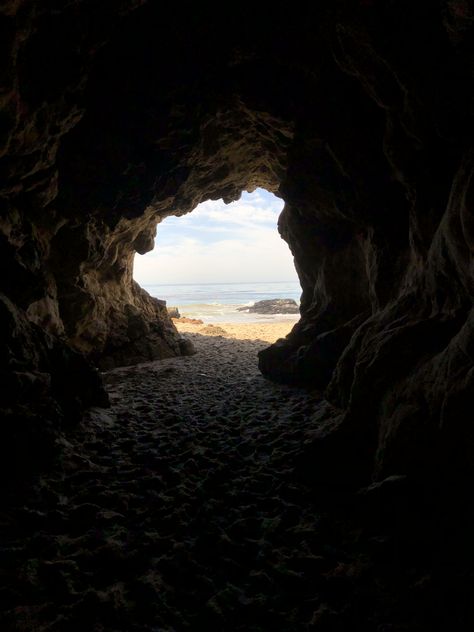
(218, 302)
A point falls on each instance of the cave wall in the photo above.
(359, 114)
(390, 307)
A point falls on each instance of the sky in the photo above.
(220, 243)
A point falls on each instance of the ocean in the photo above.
(218, 302)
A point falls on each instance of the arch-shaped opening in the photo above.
(219, 262)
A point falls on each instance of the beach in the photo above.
(266, 331)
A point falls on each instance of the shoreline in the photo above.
(219, 313)
(267, 331)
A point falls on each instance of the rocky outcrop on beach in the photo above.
(173, 312)
(185, 319)
(272, 306)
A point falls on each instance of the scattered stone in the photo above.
(186, 347)
(173, 312)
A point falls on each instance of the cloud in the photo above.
(220, 243)
(242, 213)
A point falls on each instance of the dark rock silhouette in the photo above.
(272, 306)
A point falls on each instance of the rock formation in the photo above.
(173, 312)
(272, 306)
(359, 115)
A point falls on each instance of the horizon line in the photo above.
(216, 282)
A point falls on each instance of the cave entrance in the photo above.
(220, 259)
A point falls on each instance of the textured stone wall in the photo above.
(116, 115)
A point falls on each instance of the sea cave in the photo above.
(332, 495)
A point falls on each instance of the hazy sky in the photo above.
(220, 243)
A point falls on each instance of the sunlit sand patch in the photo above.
(269, 332)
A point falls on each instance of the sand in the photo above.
(178, 507)
(268, 332)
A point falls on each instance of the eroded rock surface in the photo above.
(358, 114)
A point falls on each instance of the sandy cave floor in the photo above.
(178, 509)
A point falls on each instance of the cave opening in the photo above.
(224, 262)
